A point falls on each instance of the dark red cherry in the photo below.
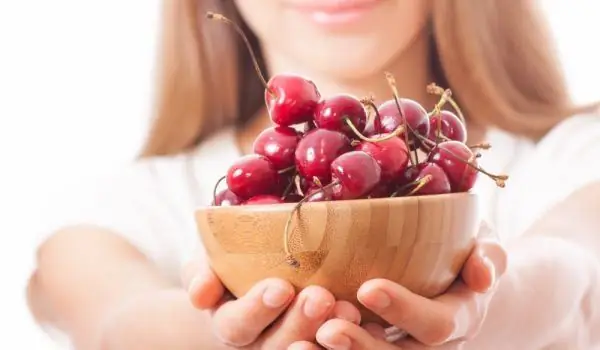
(291, 99)
(355, 174)
(416, 118)
(293, 198)
(318, 194)
(382, 190)
(317, 150)
(392, 155)
(449, 126)
(410, 174)
(278, 144)
(437, 181)
(331, 114)
(226, 198)
(252, 175)
(263, 199)
(453, 157)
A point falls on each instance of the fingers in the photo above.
(343, 335)
(426, 320)
(346, 311)
(304, 345)
(483, 268)
(204, 288)
(313, 306)
(240, 322)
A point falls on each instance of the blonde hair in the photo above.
(498, 53)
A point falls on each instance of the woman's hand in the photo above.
(445, 322)
(269, 316)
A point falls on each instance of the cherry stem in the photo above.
(420, 184)
(298, 186)
(283, 171)
(392, 84)
(369, 102)
(499, 179)
(289, 258)
(216, 188)
(220, 17)
(287, 190)
(399, 130)
(434, 89)
(483, 146)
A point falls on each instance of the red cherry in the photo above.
(291, 99)
(382, 190)
(263, 199)
(252, 175)
(410, 174)
(317, 150)
(392, 155)
(318, 194)
(354, 174)
(449, 125)
(431, 179)
(416, 118)
(226, 198)
(454, 157)
(332, 113)
(278, 144)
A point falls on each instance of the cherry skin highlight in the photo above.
(449, 125)
(291, 99)
(318, 194)
(416, 118)
(278, 144)
(392, 155)
(453, 157)
(331, 114)
(263, 199)
(317, 150)
(252, 175)
(355, 174)
(226, 198)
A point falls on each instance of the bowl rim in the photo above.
(290, 206)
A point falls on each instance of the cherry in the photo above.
(291, 99)
(317, 150)
(252, 175)
(382, 189)
(450, 127)
(319, 194)
(278, 144)
(458, 161)
(410, 174)
(293, 198)
(263, 199)
(392, 155)
(226, 198)
(336, 112)
(415, 116)
(430, 180)
(354, 175)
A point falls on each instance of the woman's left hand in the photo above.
(445, 322)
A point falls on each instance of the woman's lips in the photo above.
(328, 12)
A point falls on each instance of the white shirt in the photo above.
(152, 202)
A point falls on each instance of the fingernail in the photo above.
(195, 284)
(335, 341)
(316, 308)
(276, 297)
(378, 299)
(490, 266)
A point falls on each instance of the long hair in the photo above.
(498, 53)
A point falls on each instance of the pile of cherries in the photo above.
(344, 148)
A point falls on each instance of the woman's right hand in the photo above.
(269, 316)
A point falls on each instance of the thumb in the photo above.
(205, 290)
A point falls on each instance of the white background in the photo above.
(75, 90)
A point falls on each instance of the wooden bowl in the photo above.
(418, 242)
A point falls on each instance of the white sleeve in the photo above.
(564, 161)
(150, 203)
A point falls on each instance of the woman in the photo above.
(112, 280)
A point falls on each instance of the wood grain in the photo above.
(418, 242)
